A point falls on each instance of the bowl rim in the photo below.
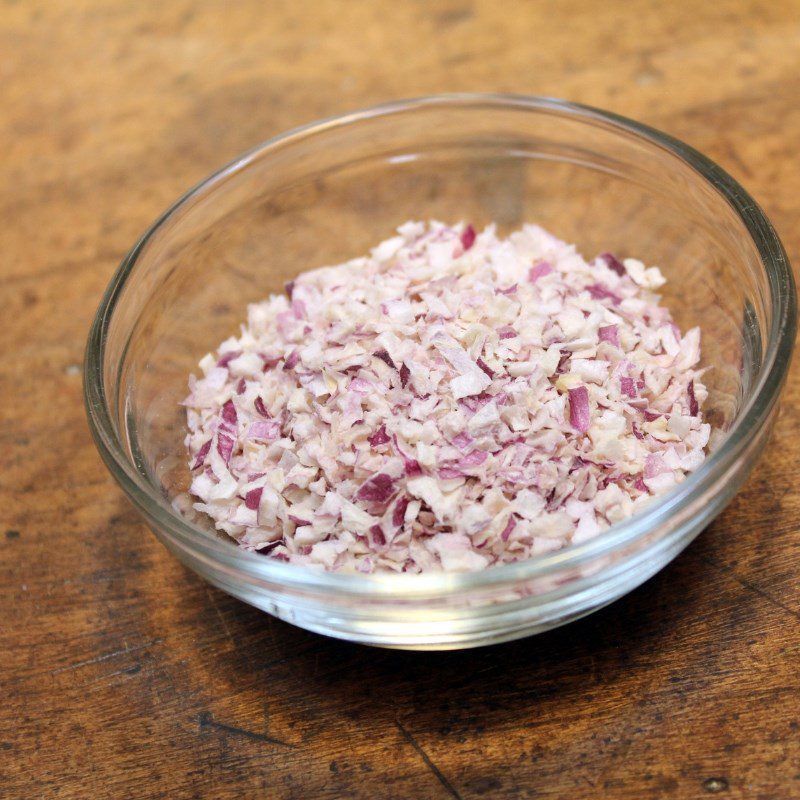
(232, 559)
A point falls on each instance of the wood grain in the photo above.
(123, 675)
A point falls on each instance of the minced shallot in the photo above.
(451, 401)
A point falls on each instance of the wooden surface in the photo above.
(123, 675)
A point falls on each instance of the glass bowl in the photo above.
(329, 191)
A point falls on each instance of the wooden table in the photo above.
(125, 676)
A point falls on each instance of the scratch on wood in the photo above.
(750, 586)
(213, 599)
(207, 721)
(104, 681)
(424, 756)
(105, 657)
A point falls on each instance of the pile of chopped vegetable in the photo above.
(451, 401)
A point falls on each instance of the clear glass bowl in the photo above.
(326, 192)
